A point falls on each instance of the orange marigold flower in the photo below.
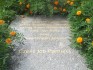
(8, 41)
(12, 33)
(64, 10)
(56, 2)
(79, 40)
(78, 13)
(2, 22)
(20, 3)
(71, 3)
(28, 6)
(88, 20)
(31, 12)
(55, 8)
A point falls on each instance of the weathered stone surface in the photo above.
(46, 45)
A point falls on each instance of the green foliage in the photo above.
(6, 45)
(81, 28)
(6, 13)
(4, 48)
(5, 4)
(39, 7)
(44, 7)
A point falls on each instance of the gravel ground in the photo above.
(46, 46)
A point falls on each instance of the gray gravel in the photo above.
(46, 45)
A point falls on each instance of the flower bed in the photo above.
(81, 27)
(80, 17)
(7, 34)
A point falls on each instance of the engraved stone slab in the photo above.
(46, 45)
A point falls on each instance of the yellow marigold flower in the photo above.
(20, 3)
(68, 1)
(64, 10)
(28, 6)
(88, 20)
(79, 40)
(78, 13)
(8, 41)
(71, 3)
(55, 8)
(12, 33)
(2, 22)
